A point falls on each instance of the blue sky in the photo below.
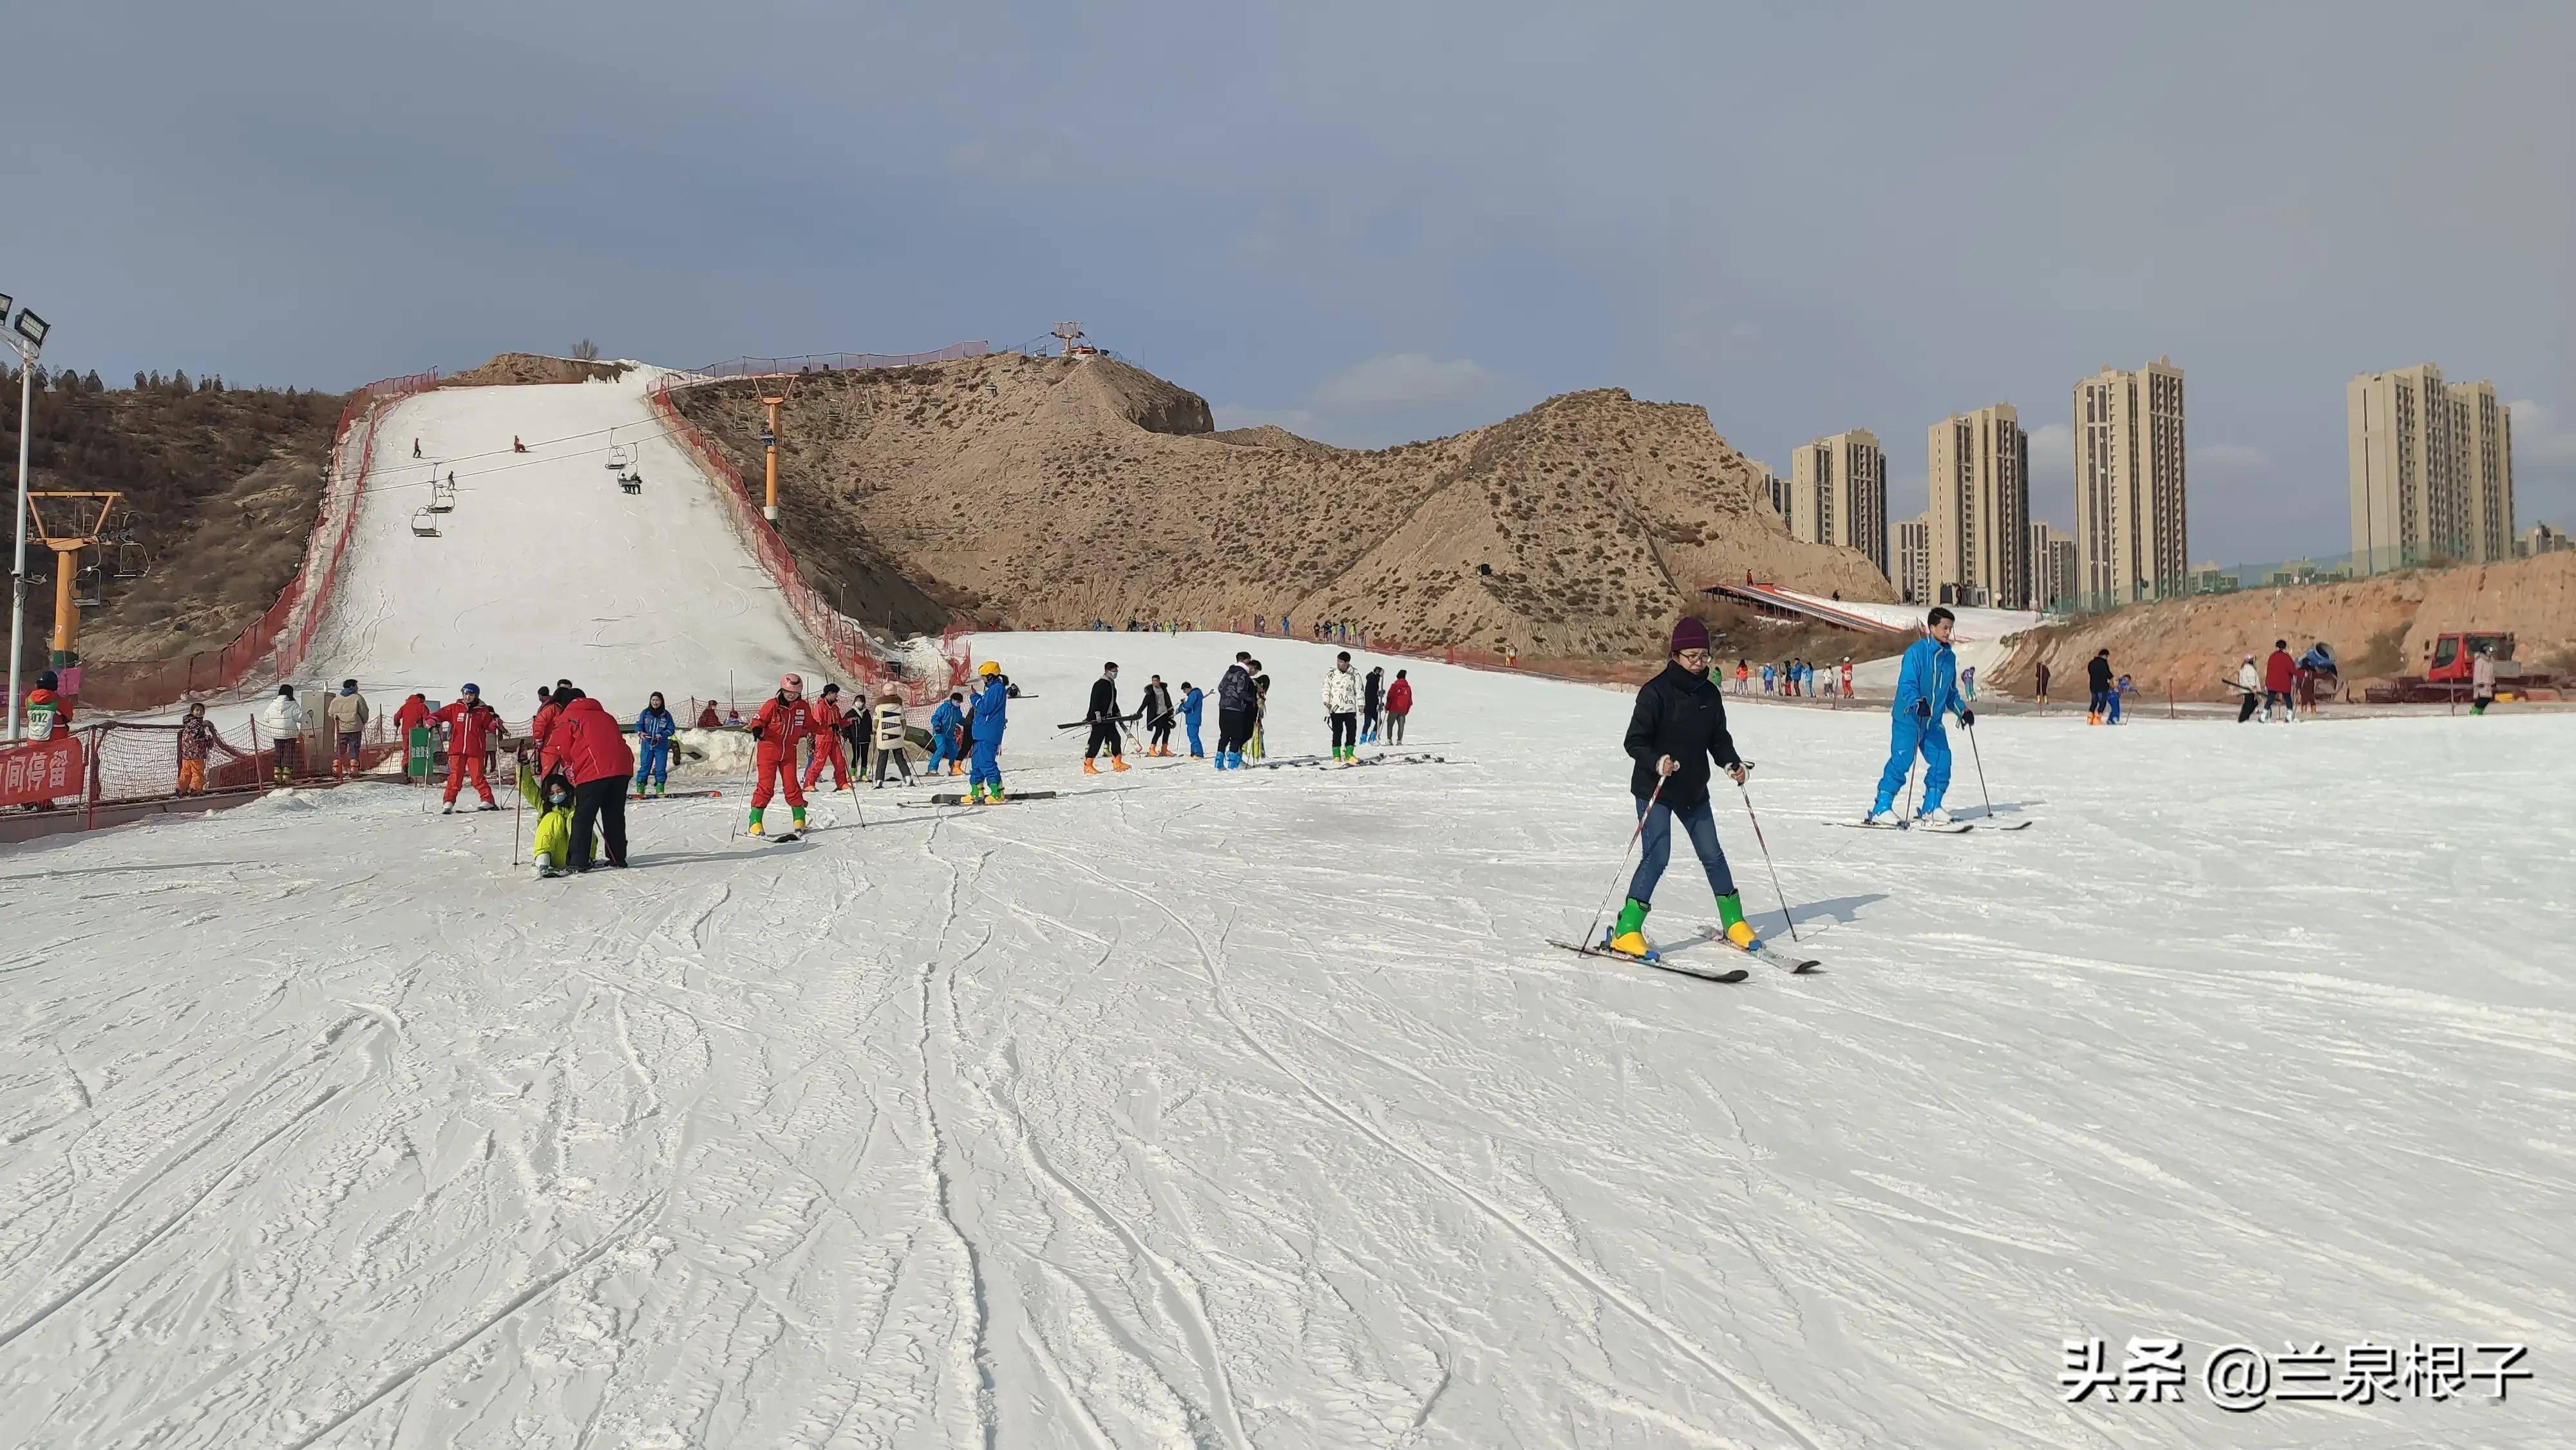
(1368, 222)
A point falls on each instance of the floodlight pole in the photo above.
(18, 560)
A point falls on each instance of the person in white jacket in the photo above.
(1342, 709)
(283, 721)
(888, 720)
(2249, 690)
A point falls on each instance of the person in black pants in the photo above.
(2097, 679)
(1234, 706)
(1157, 710)
(1105, 720)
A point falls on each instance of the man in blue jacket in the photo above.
(1193, 700)
(945, 723)
(992, 698)
(1927, 688)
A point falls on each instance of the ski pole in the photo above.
(1623, 857)
(1979, 757)
(1766, 860)
(518, 799)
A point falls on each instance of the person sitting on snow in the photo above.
(552, 801)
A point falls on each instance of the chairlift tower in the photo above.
(769, 448)
(68, 545)
(1070, 333)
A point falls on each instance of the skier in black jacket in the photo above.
(2097, 679)
(1235, 703)
(1105, 719)
(1156, 708)
(1677, 729)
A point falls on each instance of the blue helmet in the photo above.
(469, 688)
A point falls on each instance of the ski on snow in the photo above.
(1954, 828)
(1662, 961)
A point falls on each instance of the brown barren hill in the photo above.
(2378, 628)
(529, 367)
(1051, 492)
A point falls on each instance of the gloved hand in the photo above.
(1923, 711)
(1967, 717)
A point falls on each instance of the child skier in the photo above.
(825, 728)
(551, 799)
(1193, 700)
(653, 731)
(946, 724)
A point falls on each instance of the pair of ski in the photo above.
(677, 795)
(1948, 828)
(1762, 951)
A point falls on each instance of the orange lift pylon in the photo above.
(769, 445)
(67, 544)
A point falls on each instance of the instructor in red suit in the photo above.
(590, 749)
(471, 728)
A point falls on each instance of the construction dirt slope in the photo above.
(1052, 492)
(2378, 628)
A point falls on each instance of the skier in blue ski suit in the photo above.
(1193, 699)
(653, 731)
(945, 722)
(984, 769)
(1927, 688)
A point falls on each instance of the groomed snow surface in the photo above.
(1252, 1109)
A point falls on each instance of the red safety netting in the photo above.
(115, 686)
(849, 644)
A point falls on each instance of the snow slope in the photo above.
(545, 569)
(1250, 1111)
(1976, 639)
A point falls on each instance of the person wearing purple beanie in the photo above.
(1677, 729)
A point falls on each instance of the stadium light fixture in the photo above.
(33, 329)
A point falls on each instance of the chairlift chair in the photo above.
(442, 496)
(131, 560)
(621, 458)
(631, 481)
(424, 522)
(85, 586)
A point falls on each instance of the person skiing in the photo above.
(990, 713)
(2039, 683)
(1103, 718)
(1342, 709)
(947, 731)
(1156, 708)
(550, 704)
(1235, 703)
(284, 720)
(2119, 695)
(1847, 688)
(1675, 732)
(823, 740)
(2482, 680)
(551, 799)
(1399, 704)
(347, 714)
(2097, 684)
(2280, 677)
(1260, 710)
(781, 722)
(591, 751)
(890, 738)
(2249, 690)
(1743, 672)
(654, 728)
(516, 446)
(1193, 701)
(471, 726)
(1927, 688)
(859, 734)
(1766, 678)
(415, 448)
(1372, 694)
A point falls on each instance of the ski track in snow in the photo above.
(1249, 1110)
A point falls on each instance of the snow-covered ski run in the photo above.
(1214, 1109)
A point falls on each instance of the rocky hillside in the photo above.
(2378, 627)
(1050, 492)
(221, 483)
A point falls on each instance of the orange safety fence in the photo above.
(849, 645)
(110, 685)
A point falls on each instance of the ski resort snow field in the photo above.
(1251, 1109)
(545, 568)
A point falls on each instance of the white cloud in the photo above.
(2539, 437)
(1403, 380)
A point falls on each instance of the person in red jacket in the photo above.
(49, 717)
(413, 714)
(707, 719)
(591, 751)
(550, 705)
(824, 725)
(782, 721)
(1399, 703)
(2280, 677)
(471, 727)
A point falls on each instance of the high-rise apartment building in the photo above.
(2431, 467)
(2053, 568)
(1913, 573)
(1770, 487)
(1980, 513)
(2131, 519)
(1838, 494)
